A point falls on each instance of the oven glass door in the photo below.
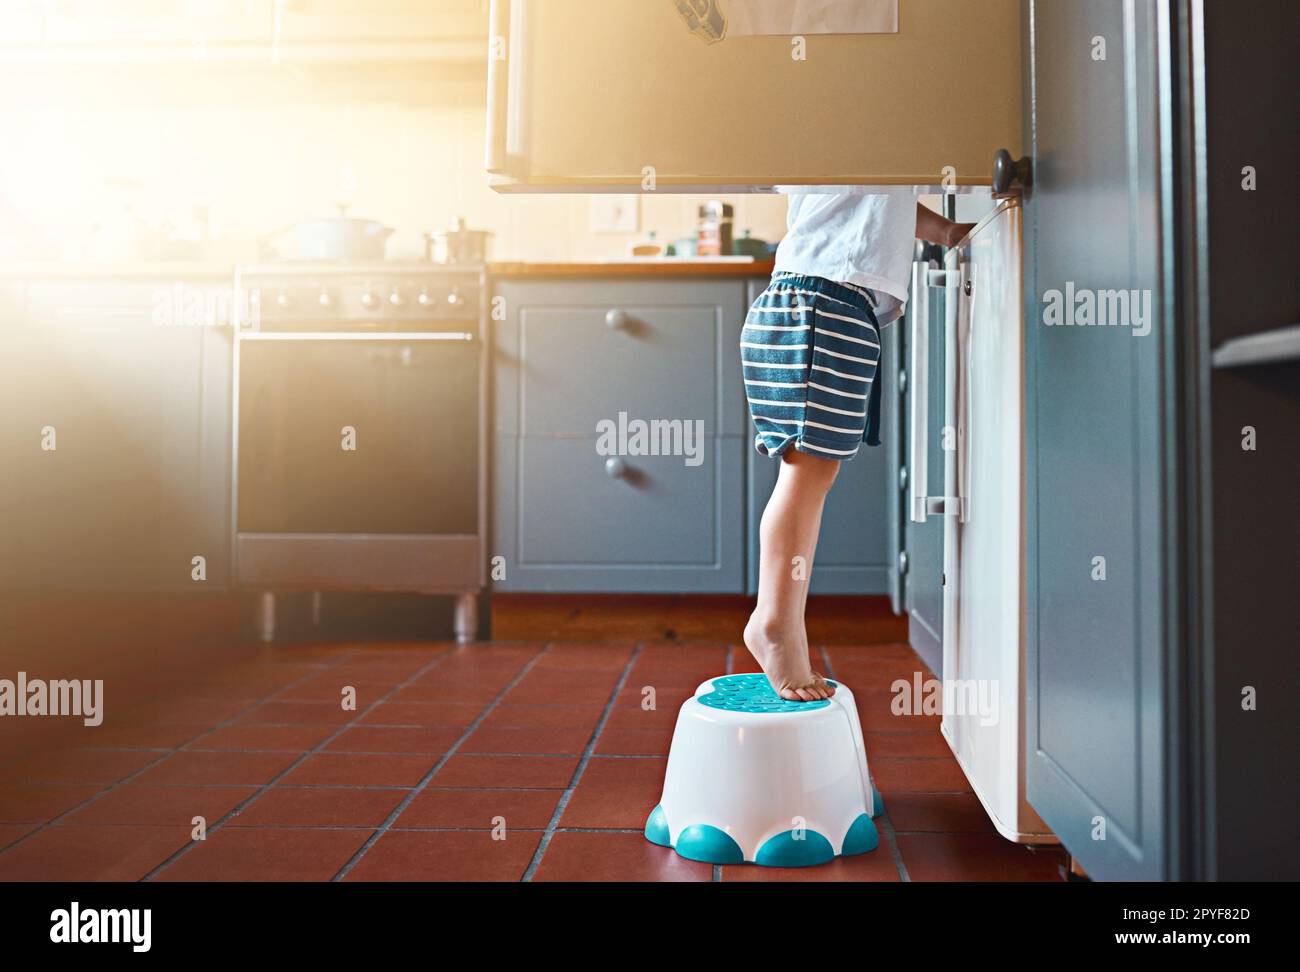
(358, 436)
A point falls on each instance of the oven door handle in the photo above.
(463, 336)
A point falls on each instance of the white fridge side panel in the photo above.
(985, 659)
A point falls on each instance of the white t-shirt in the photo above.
(859, 237)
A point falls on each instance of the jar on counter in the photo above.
(714, 231)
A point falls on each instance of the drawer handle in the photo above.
(616, 319)
(615, 468)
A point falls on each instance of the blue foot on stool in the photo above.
(787, 850)
(878, 802)
(861, 838)
(700, 842)
(656, 828)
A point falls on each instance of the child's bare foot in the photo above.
(783, 656)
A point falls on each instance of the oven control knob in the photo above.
(325, 300)
(424, 300)
(283, 301)
(455, 299)
(369, 301)
(396, 299)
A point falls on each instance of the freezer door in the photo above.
(620, 94)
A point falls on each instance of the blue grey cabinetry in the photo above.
(137, 409)
(620, 435)
(855, 553)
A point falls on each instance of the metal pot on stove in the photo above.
(457, 245)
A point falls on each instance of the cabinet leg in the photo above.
(466, 618)
(266, 616)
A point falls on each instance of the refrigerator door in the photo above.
(620, 94)
(984, 599)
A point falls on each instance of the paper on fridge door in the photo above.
(715, 19)
(745, 17)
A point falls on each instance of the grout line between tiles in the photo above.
(563, 803)
(167, 753)
(405, 802)
(883, 822)
(432, 663)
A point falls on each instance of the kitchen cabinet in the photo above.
(575, 352)
(857, 553)
(137, 482)
(620, 92)
(577, 356)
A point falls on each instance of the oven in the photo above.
(360, 433)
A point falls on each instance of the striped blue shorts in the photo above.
(810, 351)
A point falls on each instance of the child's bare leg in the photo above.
(775, 634)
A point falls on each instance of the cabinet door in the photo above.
(117, 503)
(1098, 493)
(583, 367)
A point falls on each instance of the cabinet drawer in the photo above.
(575, 353)
(566, 522)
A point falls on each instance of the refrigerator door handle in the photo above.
(920, 504)
(918, 392)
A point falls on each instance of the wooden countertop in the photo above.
(633, 267)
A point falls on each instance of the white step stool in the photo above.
(755, 778)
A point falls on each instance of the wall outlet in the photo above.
(615, 213)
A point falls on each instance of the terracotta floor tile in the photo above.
(876, 866)
(319, 806)
(975, 857)
(529, 740)
(506, 716)
(883, 745)
(329, 687)
(182, 711)
(601, 657)
(665, 696)
(37, 803)
(138, 737)
(918, 776)
(267, 854)
(634, 742)
(78, 766)
(948, 813)
(12, 832)
(379, 739)
(432, 715)
(345, 769)
(298, 714)
(482, 691)
(544, 772)
(160, 806)
(447, 856)
(477, 809)
(91, 853)
(252, 738)
(635, 717)
(218, 769)
(615, 793)
(557, 686)
(896, 651)
(615, 857)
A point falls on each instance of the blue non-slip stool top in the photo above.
(754, 693)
